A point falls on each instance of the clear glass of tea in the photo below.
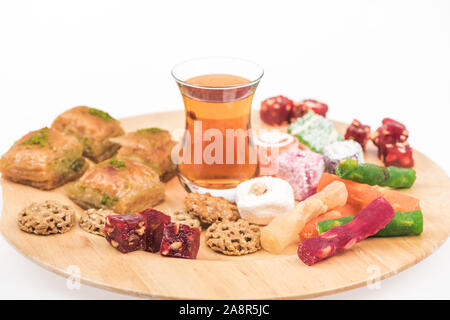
(217, 151)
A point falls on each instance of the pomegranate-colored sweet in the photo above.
(390, 132)
(300, 108)
(154, 226)
(125, 232)
(276, 110)
(358, 132)
(399, 154)
(374, 217)
(180, 241)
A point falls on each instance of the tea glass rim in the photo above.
(243, 85)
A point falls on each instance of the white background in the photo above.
(366, 59)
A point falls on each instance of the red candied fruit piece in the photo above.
(125, 232)
(358, 132)
(302, 107)
(154, 226)
(390, 132)
(374, 217)
(399, 154)
(180, 241)
(276, 110)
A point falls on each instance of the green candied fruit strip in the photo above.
(399, 177)
(326, 225)
(371, 174)
(403, 224)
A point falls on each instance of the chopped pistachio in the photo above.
(40, 138)
(100, 114)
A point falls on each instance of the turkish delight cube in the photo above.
(358, 132)
(399, 154)
(125, 232)
(154, 226)
(180, 241)
(302, 169)
(276, 110)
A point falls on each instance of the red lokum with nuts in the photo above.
(300, 108)
(393, 148)
(276, 110)
(180, 241)
(154, 226)
(358, 132)
(131, 232)
(368, 222)
(125, 232)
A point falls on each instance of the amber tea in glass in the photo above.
(217, 151)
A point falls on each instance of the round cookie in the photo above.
(259, 200)
(183, 217)
(49, 217)
(93, 220)
(234, 238)
(210, 209)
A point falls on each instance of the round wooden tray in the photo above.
(215, 276)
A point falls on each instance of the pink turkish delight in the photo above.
(368, 222)
(302, 169)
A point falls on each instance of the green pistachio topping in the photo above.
(105, 199)
(149, 131)
(116, 163)
(40, 138)
(100, 114)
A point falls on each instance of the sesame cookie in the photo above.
(234, 238)
(180, 216)
(93, 220)
(49, 217)
(210, 209)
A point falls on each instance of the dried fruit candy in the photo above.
(180, 241)
(358, 132)
(360, 195)
(154, 226)
(300, 108)
(368, 222)
(403, 224)
(125, 232)
(284, 229)
(372, 174)
(314, 131)
(399, 154)
(276, 110)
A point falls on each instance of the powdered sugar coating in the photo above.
(302, 169)
(341, 150)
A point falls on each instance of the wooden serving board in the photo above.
(215, 276)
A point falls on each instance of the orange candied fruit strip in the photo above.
(361, 195)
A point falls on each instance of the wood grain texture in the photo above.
(214, 276)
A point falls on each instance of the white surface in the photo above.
(366, 59)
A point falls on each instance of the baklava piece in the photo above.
(152, 147)
(44, 159)
(124, 186)
(93, 128)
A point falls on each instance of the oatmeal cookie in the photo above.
(234, 238)
(210, 209)
(93, 220)
(49, 217)
(181, 216)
